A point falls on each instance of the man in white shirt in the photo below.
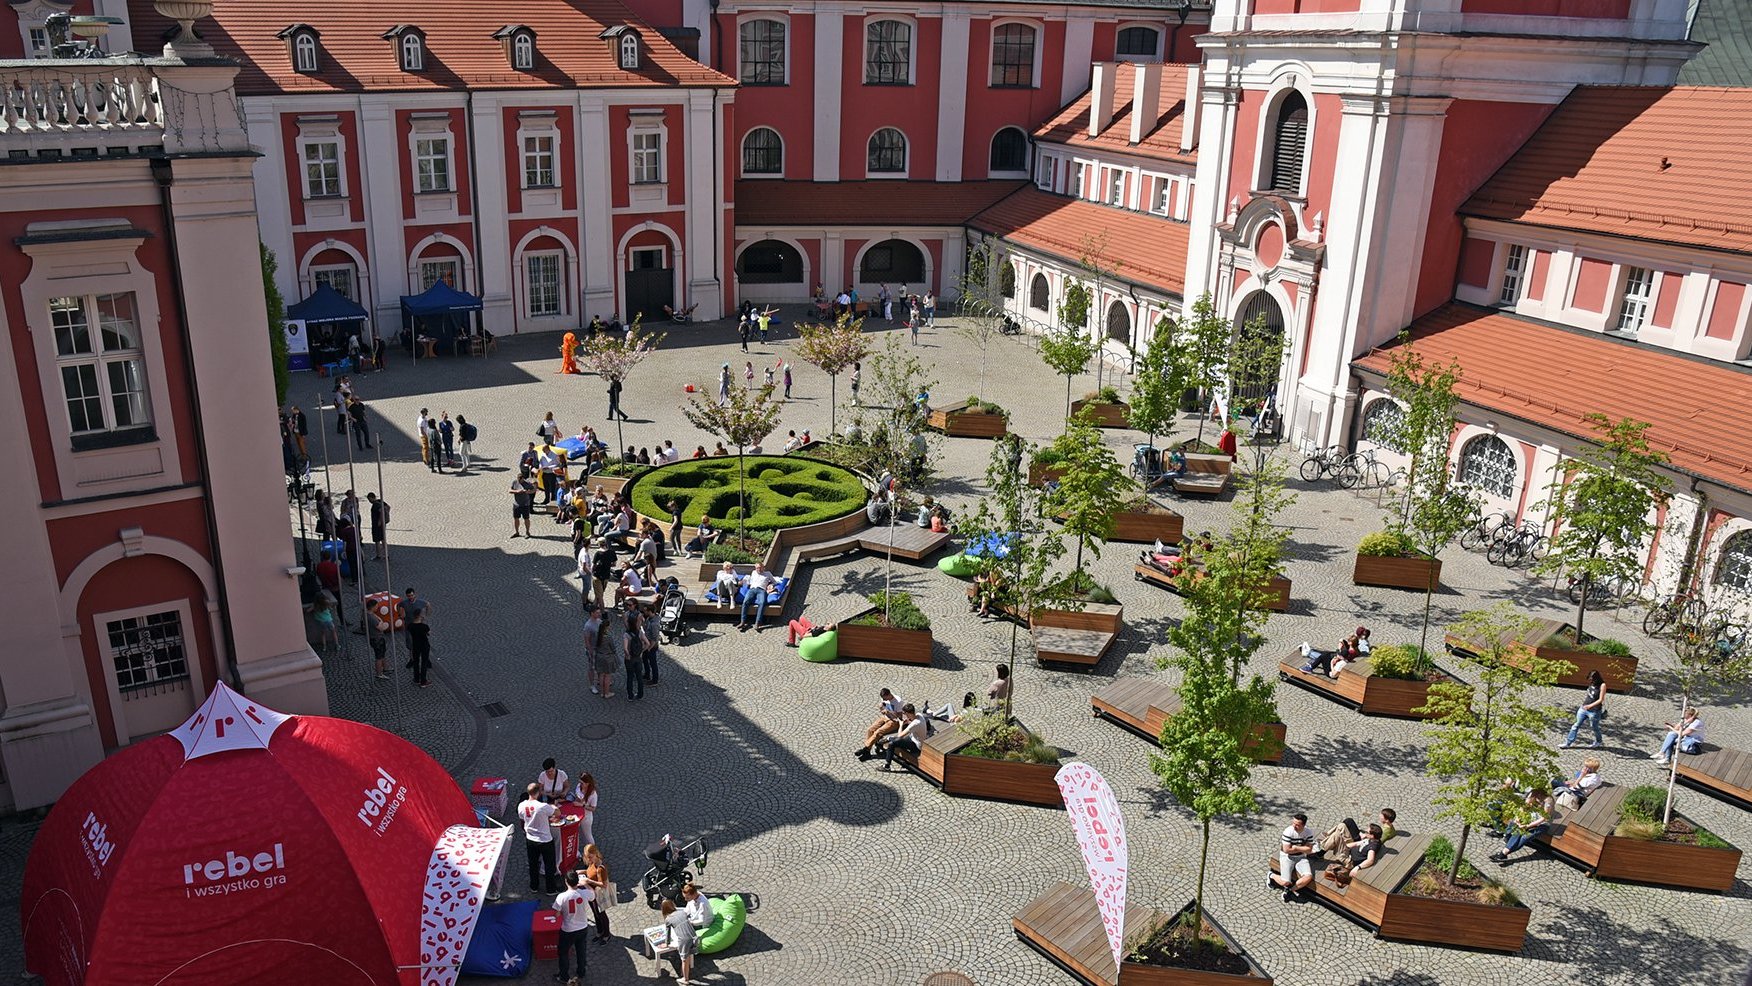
(912, 732)
(1294, 870)
(758, 587)
(538, 839)
(586, 559)
(576, 918)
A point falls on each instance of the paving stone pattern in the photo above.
(867, 877)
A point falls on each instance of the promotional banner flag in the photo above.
(1101, 835)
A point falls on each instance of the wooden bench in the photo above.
(1206, 475)
(1721, 771)
(1584, 837)
(1058, 645)
(1277, 590)
(1392, 697)
(1144, 706)
(1064, 925)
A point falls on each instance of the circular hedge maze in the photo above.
(783, 491)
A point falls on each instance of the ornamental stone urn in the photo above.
(185, 13)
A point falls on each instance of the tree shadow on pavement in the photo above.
(1589, 938)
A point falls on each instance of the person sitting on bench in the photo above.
(1573, 793)
(985, 591)
(1176, 468)
(758, 587)
(1295, 872)
(1359, 855)
(1537, 808)
(1349, 649)
(724, 586)
(887, 721)
(912, 735)
(1687, 737)
(703, 538)
(1348, 831)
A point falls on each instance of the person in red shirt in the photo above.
(1228, 444)
(328, 572)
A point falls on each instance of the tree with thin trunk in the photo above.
(747, 419)
(833, 348)
(1093, 487)
(614, 357)
(1603, 509)
(1069, 349)
(1488, 737)
(1712, 658)
(982, 304)
(1162, 377)
(1205, 339)
(276, 316)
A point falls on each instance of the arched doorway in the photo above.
(650, 276)
(1119, 324)
(1261, 323)
(770, 262)
(892, 262)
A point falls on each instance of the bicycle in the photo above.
(1483, 532)
(1333, 461)
(1683, 610)
(1524, 543)
(1362, 468)
(1606, 593)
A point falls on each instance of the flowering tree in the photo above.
(833, 348)
(747, 419)
(613, 358)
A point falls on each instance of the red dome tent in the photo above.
(250, 846)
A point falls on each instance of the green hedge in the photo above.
(783, 491)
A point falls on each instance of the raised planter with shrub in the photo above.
(1473, 912)
(992, 756)
(1106, 408)
(1046, 465)
(903, 635)
(1394, 680)
(1143, 522)
(1555, 640)
(1388, 559)
(1618, 834)
(1160, 949)
(971, 418)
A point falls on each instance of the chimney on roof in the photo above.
(1190, 113)
(1101, 97)
(1146, 99)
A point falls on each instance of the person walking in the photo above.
(930, 310)
(769, 373)
(602, 570)
(887, 303)
(912, 326)
(322, 610)
(600, 658)
(325, 516)
(447, 433)
(744, 326)
(633, 652)
(787, 380)
(299, 426)
(858, 370)
(417, 613)
(764, 321)
(576, 907)
(614, 396)
(724, 384)
(748, 373)
(356, 421)
(538, 840)
(468, 433)
(522, 504)
(1592, 709)
(549, 430)
(675, 525)
(379, 526)
(585, 560)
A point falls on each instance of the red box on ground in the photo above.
(545, 928)
(490, 794)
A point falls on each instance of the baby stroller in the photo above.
(671, 613)
(1146, 462)
(674, 865)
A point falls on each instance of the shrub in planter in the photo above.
(1390, 543)
(1402, 661)
(1175, 943)
(903, 613)
(1429, 879)
(997, 737)
(1607, 647)
(978, 406)
(1081, 585)
(718, 554)
(1106, 395)
(1639, 817)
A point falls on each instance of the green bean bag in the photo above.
(821, 648)
(959, 566)
(729, 917)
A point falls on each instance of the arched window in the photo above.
(1383, 424)
(763, 153)
(1119, 323)
(1009, 150)
(629, 51)
(1007, 279)
(304, 50)
(1487, 465)
(770, 262)
(1013, 56)
(1289, 144)
(763, 53)
(1262, 324)
(523, 51)
(888, 53)
(887, 152)
(1135, 43)
(1734, 570)
(413, 53)
(892, 261)
(1039, 293)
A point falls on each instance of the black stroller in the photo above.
(674, 865)
(672, 612)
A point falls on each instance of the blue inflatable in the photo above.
(502, 944)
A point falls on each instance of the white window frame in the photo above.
(196, 683)
(444, 157)
(912, 49)
(36, 41)
(628, 56)
(523, 51)
(308, 144)
(411, 52)
(533, 169)
(1114, 192)
(1159, 198)
(1045, 171)
(637, 135)
(190, 651)
(784, 48)
(905, 155)
(1514, 279)
(304, 59)
(662, 253)
(434, 266)
(1480, 440)
(1735, 577)
(1265, 138)
(325, 275)
(1636, 300)
(1080, 179)
(558, 259)
(1154, 56)
(992, 51)
(1020, 172)
(742, 162)
(100, 360)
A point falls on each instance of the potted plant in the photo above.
(1390, 558)
(971, 418)
(1651, 843)
(1447, 901)
(1045, 464)
(892, 629)
(1395, 680)
(1104, 406)
(994, 756)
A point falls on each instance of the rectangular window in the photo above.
(432, 164)
(1080, 179)
(888, 54)
(1043, 178)
(538, 162)
(322, 169)
(647, 258)
(39, 42)
(1159, 203)
(1633, 312)
(103, 372)
(148, 651)
(543, 271)
(433, 271)
(647, 158)
(763, 53)
(1013, 56)
(1116, 188)
(1514, 270)
(338, 278)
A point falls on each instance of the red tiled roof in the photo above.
(1161, 138)
(461, 52)
(1144, 249)
(864, 203)
(1553, 377)
(1672, 165)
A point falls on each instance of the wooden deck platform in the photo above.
(1064, 925)
(1721, 771)
(1057, 645)
(1392, 697)
(1144, 706)
(910, 541)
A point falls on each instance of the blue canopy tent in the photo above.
(329, 317)
(440, 312)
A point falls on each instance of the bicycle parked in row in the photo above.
(1350, 469)
(1513, 547)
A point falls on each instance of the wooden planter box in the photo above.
(1392, 697)
(1585, 836)
(1064, 925)
(1106, 617)
(872, 643)
(1276, 591)
(1546, 641)
(977, 777)
(1106, 415)
(1145, 526)
(1454, 922)
(956, 421)
(1398, 573)
(1039, 473)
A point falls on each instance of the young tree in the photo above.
(1162, 378)
(982, 304)
(1069, 349)
(748, 418)
(897, 445)
(276, 315)
(1254, 362)
(1482, 735)
(833, 349)
(1093, 488)
(1712, 658)
(1602, 508)
(1205, 338)
(613, 358)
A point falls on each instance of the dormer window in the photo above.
(629, 51)
(519, 42)
(623, 43)
(410, 47)
(301, 46)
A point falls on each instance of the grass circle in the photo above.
(783, 491)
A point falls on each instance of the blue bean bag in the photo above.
(729, 917)
(821, 648)
(773, 598)
(959, 566)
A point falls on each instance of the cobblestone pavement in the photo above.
(873, 878)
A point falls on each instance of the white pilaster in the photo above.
(1210, 188)
(703, 235)
(378, 166)
(592, 176)
(493, 258)
(952, 95)
(273, 198)
(830, 27)
(1079, 56)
